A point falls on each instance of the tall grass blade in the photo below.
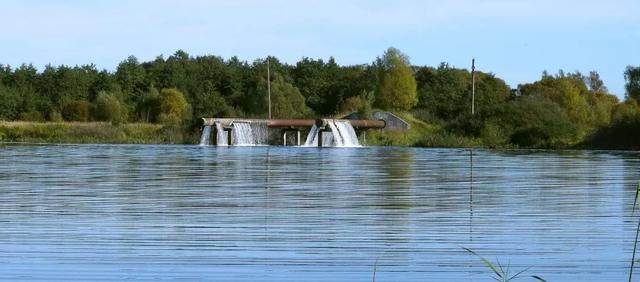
(538, 278)
(375, 267)
(633, 256)
(635, 200)
(635, 242)
(486, 262)
(518, 274)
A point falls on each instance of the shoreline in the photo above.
(77, 133)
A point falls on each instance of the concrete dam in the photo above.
(320, 132)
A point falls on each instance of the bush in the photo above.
(623, 133)
(535, 122)
(358, 104)
(31, 116)
(109, 108)
(173, 107)
(55, 116)
(77, 111)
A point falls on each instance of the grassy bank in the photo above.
(420, 134)
(86, 132)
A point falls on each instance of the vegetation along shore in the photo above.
(161, 101)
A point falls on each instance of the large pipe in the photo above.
(290, 122)
(356, 123)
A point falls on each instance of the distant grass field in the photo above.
(83, 132)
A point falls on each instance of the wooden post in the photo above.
(269, 86)
(473, 86)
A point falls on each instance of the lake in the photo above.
(134, 212)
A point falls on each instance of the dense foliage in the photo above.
(561, 110)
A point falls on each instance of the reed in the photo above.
(500, 273)
(82, 132)
(635, 242)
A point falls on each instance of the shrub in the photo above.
(358, 104)
(109, 108)
(76, 111)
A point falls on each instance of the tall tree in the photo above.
(632, 76)
(131, 76)
(173, 106)
(444, 91)
(109, 108)
(397, 87)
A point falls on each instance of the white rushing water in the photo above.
(341, 134)
(206, 133)
(221, 135)
(347, 133)
(250, 133)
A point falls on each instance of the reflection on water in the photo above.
(90, 213)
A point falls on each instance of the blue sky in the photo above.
(515, 39)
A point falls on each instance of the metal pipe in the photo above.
(290, 122)
(359, 124)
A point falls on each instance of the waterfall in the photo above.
(312, 137)
(250, 133)
(206, 133)
(341, 134)
(348, 134)
(221, 135)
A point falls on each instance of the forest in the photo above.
(561, 110)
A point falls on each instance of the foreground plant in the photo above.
(500, 273)
(635, 242)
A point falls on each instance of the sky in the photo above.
(514, 39)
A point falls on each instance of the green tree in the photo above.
(632, 76)
(149, 106)
(444, 91)
(77, 110)
(358, 104)
(287, 102)
(9, 103)
(173, 106)
(568, 91)
(537, 122)
(317, 82)
(109, 108)
(397, 87)
(131, 76)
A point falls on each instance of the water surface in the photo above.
(120, 212)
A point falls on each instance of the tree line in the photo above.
(558, 110)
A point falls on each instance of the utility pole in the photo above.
(473, 86)
(269, 86)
